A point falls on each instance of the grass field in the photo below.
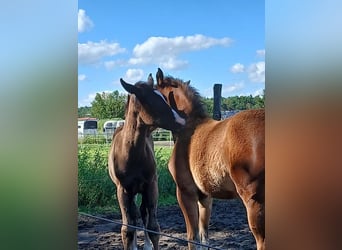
(96, 191)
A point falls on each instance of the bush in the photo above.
(95, 188)
(166, 185)
(96, 191)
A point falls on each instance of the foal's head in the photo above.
(151, 105)
(182, 97)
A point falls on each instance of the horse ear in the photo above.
(150, 80)
(128, 87)
(160, 78)
(187, 82)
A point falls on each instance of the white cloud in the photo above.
(259, 92)
(260, 53)
(84, 22)
(164, 50)
(228, 89)
(93, 52)
(173, 63)
(87, 101)
(237, 68)
(133, 75)
(81, 77)
(256, 72)
(109, 65)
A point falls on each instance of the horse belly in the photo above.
(213, 179)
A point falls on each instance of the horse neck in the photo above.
(195, 117)
(192, 107)
(135, 131)
(183, 136)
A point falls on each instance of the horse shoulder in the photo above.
(208, 142)
(179, 168)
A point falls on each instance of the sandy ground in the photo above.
(228, 229)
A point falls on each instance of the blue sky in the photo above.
(204, 41)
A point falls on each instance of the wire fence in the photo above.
(160, 137)
(150, 231)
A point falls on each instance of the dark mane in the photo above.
(191, 93)
(127, 104)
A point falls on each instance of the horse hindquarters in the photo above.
(246, 133)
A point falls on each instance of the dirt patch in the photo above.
(228, 229)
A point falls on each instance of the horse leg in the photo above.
(144, 217)
(150, 200)
(256, 221)
(252, 194)
(189, 207)
(255, 207)
(204, 208)
(129, 217)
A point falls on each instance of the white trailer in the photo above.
(87, 126)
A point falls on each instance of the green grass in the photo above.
(96, 191)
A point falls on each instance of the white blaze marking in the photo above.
(160, 94)
(177, 117)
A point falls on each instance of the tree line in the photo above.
(112, 105)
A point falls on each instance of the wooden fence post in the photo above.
(217, 101)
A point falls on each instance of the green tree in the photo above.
(209, 105)
(98, 106)
(242, 102)
(116, 105)
(84, 111)
(108, 105)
